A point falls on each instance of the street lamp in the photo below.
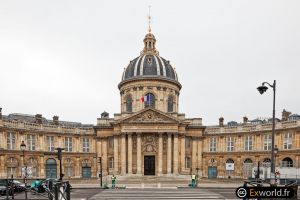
(275, 152)
(100, 174)
(262, 89)
(23, 148)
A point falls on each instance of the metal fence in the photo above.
(47, 189)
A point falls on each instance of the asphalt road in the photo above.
(145, 194)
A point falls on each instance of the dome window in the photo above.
(149, 100)
(170, 104)
(129, 104)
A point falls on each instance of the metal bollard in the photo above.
(50, 196)
(68, 191)
(56, 191)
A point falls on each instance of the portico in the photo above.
(150, 143)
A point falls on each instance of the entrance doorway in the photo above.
(212, 172)
(149, 165)
(51, 168)
(86, 172)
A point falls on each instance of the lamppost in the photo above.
(275, 152)
(23, 148)
(59, 156)
(100, 174)
(262, 89)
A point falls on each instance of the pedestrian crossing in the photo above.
(155, 193)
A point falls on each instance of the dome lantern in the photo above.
(149, 44)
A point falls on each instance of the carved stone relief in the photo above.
(149, 143)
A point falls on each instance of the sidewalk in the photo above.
(173, 183)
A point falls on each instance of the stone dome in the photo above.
(149, 64)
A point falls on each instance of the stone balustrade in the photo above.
(46, 127)
(250, 127)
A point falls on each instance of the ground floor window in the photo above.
(51, 171)
(247, 167)
(111, 162)
(229, 168)
(69, 171)
(187, 162)
(11, 171)
(287, 162)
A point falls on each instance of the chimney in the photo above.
(285, 115)
(38, 119)
(0, 113)
(221, 121)
(55, 120)
(245, 120)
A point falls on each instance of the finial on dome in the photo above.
(149, 20)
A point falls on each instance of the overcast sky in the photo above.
(66, 58)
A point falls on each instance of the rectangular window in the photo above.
(187, 142)
(50, 143)
(248, 143)
(111, 142)
(31, 142)
(68, 144)
(11, 171)
(69, 171)
(287, 142)
(230, 144)
(267, 142)
(85, 144)
(111, 162)
(11, 141)
(213, 144)
(187, 162)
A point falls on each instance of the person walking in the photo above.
(193, 180)
(113, 181)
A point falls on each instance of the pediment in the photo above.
(149, 115)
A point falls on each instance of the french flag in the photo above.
(146, 98)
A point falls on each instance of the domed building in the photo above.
(150, 136)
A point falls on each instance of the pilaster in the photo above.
(160, 153)
(129, 153)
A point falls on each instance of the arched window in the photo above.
(170, 104)
(129, 104)
(51, 171)
(287, 162)
(266, 162)
(229, 161)
(149, 100)
(229, 168)
(248, 164)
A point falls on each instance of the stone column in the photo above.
(77, 168)
(175, 154)
(182, 151)
(104, 156)
(42, 167)
(139, 154)
(199, 158)
(116, 154)
(2, 167)
(123, 154)
(194, 155)
(169, 154)
(160, 154)
(129, 153)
